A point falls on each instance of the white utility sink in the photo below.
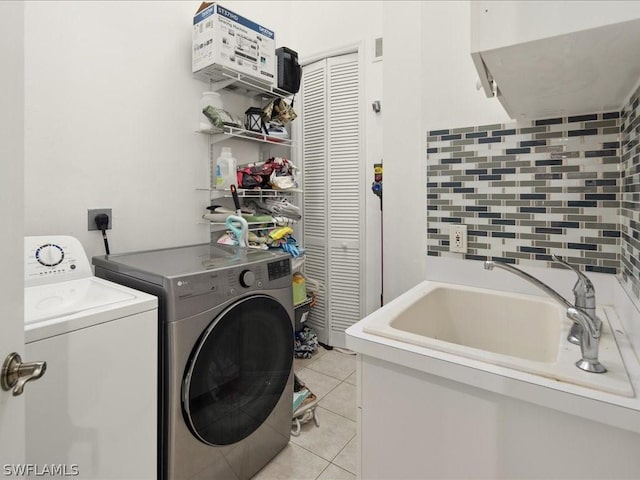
(523, 327)
(523, 332)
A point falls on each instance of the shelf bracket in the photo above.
(215, 86)
(218, 137)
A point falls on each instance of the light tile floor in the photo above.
(327, 452)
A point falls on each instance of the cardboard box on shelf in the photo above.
(223, 39)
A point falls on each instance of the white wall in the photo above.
(110, 114)
(450, 97)
(275, 15)
(430, 85)
(111, 109)
(404, 198)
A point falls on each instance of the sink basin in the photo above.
(524, 327)
(522, 332)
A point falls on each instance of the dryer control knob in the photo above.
(247, 278)
(50, 255)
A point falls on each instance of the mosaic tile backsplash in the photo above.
(531, 189)
(630, 196)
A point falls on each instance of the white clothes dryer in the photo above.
(93, 414)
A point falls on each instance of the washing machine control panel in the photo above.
(279, 269)
(52, 259)
(216, 287)
(247, 278)
(49, 254)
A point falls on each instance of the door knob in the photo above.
(16, 374)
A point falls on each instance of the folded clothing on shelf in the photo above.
(282, 207)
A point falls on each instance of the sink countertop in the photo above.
(615, 410)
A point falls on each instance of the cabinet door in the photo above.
(499, 24)
(552, 59)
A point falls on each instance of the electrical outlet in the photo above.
(91, 217)
(458, 238)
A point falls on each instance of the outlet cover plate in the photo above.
(458, 238)
(91, 215)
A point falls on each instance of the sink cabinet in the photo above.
(551, 59)
(430, 411)
(414, 424)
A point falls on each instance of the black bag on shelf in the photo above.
(289, 70)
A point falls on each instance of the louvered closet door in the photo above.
(345, 191)
(333, 193)
(314, 154)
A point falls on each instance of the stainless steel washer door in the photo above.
(238, 370)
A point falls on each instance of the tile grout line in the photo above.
(323, 470)
(334, 457)
(327, 394)
(341, 450)
(337, 466)
(341, 381)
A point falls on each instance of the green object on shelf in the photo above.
(299, 289)
(219, 117)
(259, 218)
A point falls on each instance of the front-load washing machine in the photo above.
(93, 412)
(226, 354)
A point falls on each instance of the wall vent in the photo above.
(378, 49)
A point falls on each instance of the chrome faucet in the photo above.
(585, 299)
(589, 325)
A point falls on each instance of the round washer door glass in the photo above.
(238, 371)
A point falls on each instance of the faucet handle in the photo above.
(584, 290)
(585, 299)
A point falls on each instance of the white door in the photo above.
(11, 215)
(333, 212)
(314, 155)
(345, 210)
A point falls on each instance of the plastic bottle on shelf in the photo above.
(299, 289)
(225, 170)
(212, 99)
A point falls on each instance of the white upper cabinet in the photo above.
(552, 58)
